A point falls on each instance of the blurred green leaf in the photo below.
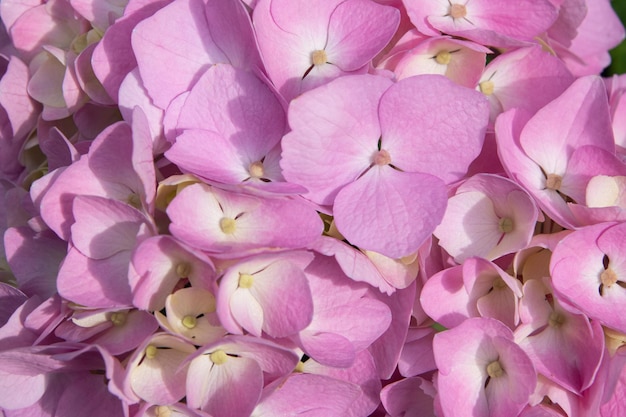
(618, 55)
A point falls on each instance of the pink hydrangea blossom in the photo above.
(330, 208)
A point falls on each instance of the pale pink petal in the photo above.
(198, 214)
(157, 372)
(132, 93)
(207, 379)
(461, 61)
(286, 41)
(527, 78)
(469, 226)
(278, 282)
(14, 98)
(247, 310)
(158, 264)
(591, 279)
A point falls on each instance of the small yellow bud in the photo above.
(319, 57)
(458, 11)
(256, 169)
(218, 357)
(505, 225)
(486, 87)
(227, 225)
(494, 369)
(189, 322)
(118, 318)
(443, 57)
(183, 269)
(151, 351)
(245, 280)
(556, 320)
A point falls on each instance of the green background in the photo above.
(618, 66)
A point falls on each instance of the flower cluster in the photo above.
(311, 207)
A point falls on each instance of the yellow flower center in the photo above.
(189, 322)
(556, 320)
(163, 411)
(319, 57)
(486, 87)
(608, 277)
(494, 369)
(118, 318)
(443, 57)
(256, 169)
(505, 225)
(227, 225)
(458, 11)
(553, 182)
(218, 357)
(183, 270)
(245, 280)
(499, 283)
(151, 352)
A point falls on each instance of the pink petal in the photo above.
(386, 350)
(113, 57)
(157, 264)
(34, 259)
(177, 34)
(278, 282)
(24, 377)
(206, 381)
(247, 310)
(350, 23)
(577, 274)
(95, 283)
(445, 299)
(286, 39)
(105, 227)
(583, 119)
(14, 98)
(390, 212)
(307, 394)
(159, 379)
(334, 134)
(527, 78)
(353, 262)
(420, 134)
(197, 211)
